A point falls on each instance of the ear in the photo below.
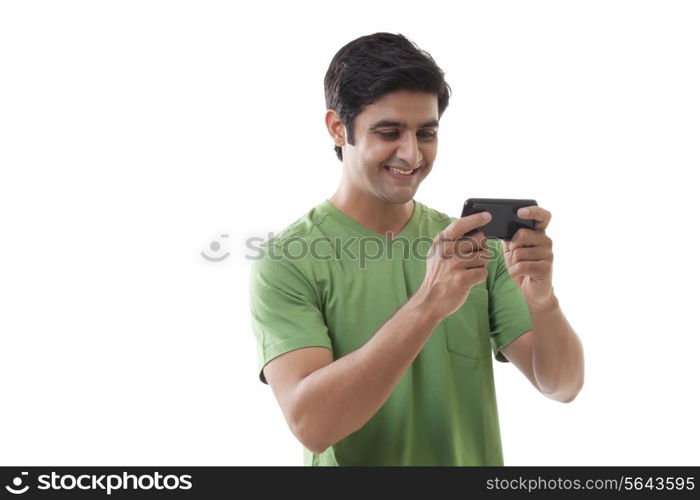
(335, 127)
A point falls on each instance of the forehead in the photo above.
(411, 107)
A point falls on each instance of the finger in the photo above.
(536, 213)
(476, 240)
(540, 269)
(472, 259)
(531, 254)
(459, 247)
(506, 245)
(525, 237)
(464, 247)
(459, 227)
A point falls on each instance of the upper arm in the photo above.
(285, 372)
(286, 315)
(519, 352)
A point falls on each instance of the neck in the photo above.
(374, 213)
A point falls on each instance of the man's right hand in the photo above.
(455, 264)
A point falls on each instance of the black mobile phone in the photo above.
(505, 221)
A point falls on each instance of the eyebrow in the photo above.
(392, 123)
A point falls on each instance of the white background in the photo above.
(134, 134)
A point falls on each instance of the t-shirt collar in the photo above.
(327, 207)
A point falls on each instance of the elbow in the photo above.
(562, 397)
(308, 424)
(566, 390)
(309, 436)
(308, 431)
(578, 388)
(565, 396)
(568, 398)
(317, 449)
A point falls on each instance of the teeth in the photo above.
(404, 172)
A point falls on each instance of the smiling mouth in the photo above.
(398, 172)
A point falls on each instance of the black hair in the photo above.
(373, 65)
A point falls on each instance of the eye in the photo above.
(391, 134)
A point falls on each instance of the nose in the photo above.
(409, 151)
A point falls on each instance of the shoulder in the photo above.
(284, 257)
(303, 227)
(291, 240)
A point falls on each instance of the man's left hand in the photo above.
(529, 259)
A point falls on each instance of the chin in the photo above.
(403, 199)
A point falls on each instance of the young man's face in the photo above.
(399, 130)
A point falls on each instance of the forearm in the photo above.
(338, 399)
(558, 362)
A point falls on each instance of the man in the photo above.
(385, 359)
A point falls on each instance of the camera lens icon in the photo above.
(17, 482)
(215, 246)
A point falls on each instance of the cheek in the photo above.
(430, 152)
(377, 153)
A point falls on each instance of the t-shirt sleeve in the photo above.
(509, 314)
(284, 309)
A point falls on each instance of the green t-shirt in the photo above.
(327, 280)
